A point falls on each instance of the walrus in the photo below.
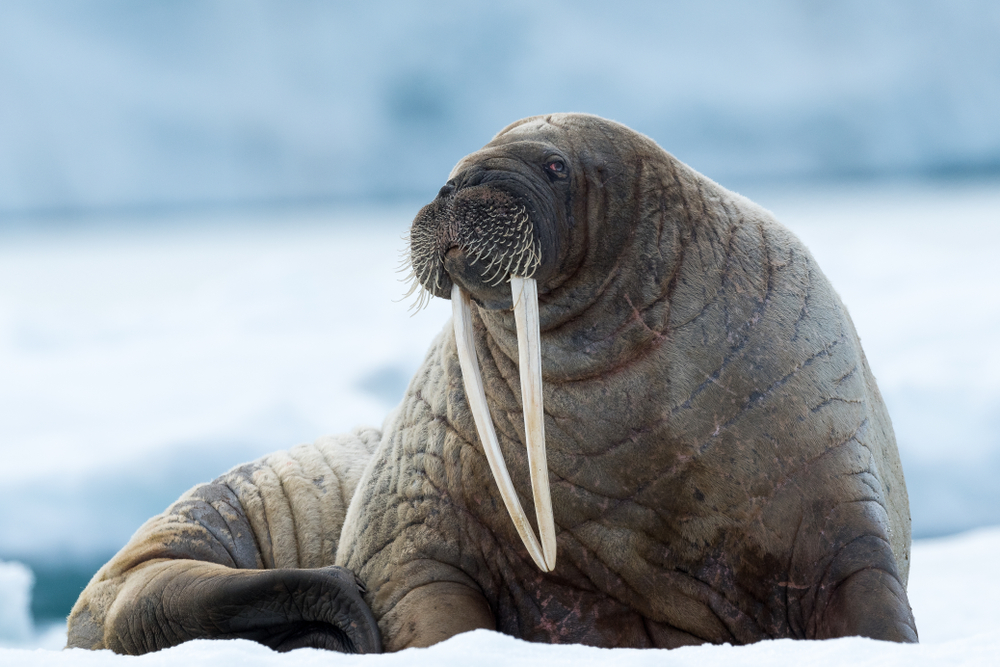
(649, 362)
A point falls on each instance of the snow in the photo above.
(953, 590)
(494, 650)
(954, 586)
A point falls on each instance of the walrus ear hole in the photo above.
(555, 166)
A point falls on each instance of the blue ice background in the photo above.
(120, 108)
(113, 104)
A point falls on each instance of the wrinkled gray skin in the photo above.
(722, 465)
(250, 555)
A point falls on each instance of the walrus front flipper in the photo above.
(166, 603)
(868, 599)
(246, 555)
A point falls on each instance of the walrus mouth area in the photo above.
(494, 233)
(524, 293)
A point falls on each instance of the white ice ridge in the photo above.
(489, 649)
(16, 581)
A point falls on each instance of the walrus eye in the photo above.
(556, 167)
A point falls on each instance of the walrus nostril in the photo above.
(446, 190)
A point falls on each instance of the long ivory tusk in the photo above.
(524, 292)
(473, 381)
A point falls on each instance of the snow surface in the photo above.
(488, 649)
(954, 586)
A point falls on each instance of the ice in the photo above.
(953, 590)
(121, 104)
(15, 602)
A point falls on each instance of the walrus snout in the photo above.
(477, 236)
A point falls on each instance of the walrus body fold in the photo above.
(281, 514)
(721, 464)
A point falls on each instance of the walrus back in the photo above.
(828, 373)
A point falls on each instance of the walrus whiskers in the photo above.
(422, 242)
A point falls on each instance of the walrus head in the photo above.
(499, 215)
(503, 230)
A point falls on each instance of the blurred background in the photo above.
(202, 205)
